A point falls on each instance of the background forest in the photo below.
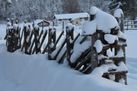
(33, 9)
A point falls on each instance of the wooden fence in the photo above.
(130, 24)
(88, 60)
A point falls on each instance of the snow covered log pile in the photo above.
(103, 53)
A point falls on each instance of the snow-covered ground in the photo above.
(132, 43)
(20, 72)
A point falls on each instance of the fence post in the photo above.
(51, 42)
(94, 60)
(70, 44)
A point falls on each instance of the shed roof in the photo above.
(71, 16)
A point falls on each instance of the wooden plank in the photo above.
(38, 40)
(115, 72)
(63, 56)
(60, 49)
(106, 47)
(82, 60)
(43, 39)
(59, 37)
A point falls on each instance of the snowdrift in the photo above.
(20, 72)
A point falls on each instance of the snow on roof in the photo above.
(71, 16)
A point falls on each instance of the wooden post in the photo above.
(70, 45)
(94, 60)
(51, 42)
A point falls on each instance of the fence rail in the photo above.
(130, 24)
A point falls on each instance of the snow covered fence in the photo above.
(130, 24)
(65, 48)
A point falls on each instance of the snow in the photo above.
(99, 71)
(8, 23)
(70, 26)
(120, 53)
(122, 81)
(110, 38)
(36, 26)
(112, 77)
(131, 43)
(15, 26)
(118, 13)
(78, 49)
(121, 35)
(57, 48)
(102, 21)
(101, 56)
(26, 25)
(99, 46)
(122, 67)
(105, 21)
(110, 53)
(93, 10)
(89, 28)
(71, 16)
(36, 73)
(9, 1)
(109, 61)
(2, 31)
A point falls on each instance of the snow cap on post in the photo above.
(69, 27)
(36, 26)
(93, 10)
